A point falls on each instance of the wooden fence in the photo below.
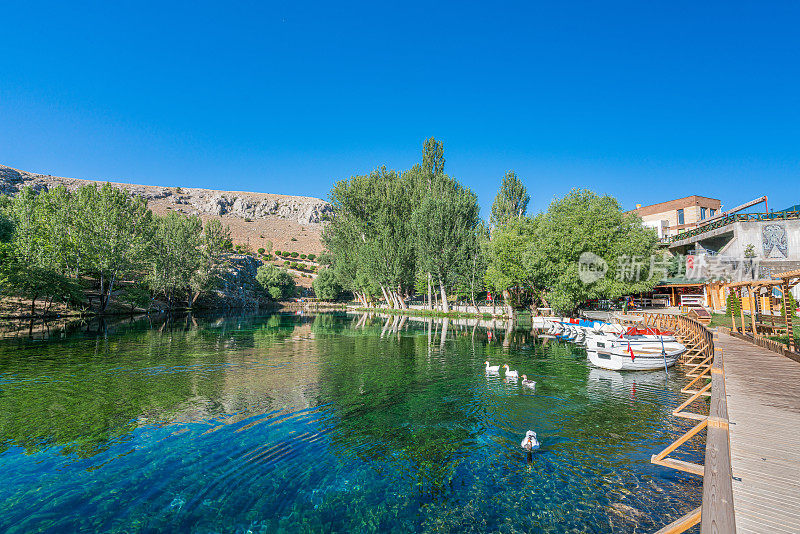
(705, 368)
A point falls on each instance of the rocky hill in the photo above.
(304, 210)
(292, 223)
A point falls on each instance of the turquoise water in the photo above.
(328, 423)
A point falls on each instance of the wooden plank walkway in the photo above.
(763, 394)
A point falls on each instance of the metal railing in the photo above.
(730, 219)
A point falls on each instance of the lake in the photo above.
(329, 423)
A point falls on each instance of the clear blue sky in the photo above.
(648, 101)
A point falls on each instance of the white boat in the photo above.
(633, 336)
(621, 356)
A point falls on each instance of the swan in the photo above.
(530, 442)
(492, 368)
(510, 373)
(526, 382)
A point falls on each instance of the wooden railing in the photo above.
(765, 342)
(705, 363)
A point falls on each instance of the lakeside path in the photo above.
(763, 397)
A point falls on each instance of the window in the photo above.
(680, 217)
(702, 214)
(712, 211)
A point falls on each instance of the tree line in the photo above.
(397, 234)
(55, 244)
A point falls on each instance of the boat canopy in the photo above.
(648, 331)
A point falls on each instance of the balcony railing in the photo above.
(736, 217)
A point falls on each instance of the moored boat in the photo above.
(636, 357)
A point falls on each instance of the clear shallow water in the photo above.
(329, 423)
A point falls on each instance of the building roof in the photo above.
(681, 281)
(693, 200)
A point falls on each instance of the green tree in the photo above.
(583, 222)
(213, 258)
(473, 281)
(511, 201)
(6, 235)
(278, 283)
(326, 286)
(34, 253)
(113, 230)
(445, 226)
(176, 255)
(508, 272)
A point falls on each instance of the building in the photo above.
(723, 247)
(679, 215)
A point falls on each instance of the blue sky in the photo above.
(647, 101)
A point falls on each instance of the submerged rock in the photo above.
(628, 512)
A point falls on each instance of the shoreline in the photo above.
(430, 313)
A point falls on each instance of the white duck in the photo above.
(530, 442)
(492, 368)
(510, 373)
(528, 383)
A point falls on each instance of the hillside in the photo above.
(292, 223)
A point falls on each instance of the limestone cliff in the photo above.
(244, 205)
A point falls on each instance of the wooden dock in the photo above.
(763, 403)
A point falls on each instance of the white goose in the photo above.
(528, 383)
(492, 368)
(510, 373)
(530, 442)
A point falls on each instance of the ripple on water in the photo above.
(321, 423)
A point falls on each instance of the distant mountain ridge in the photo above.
(245, 205)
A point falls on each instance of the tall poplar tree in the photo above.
(511, 201)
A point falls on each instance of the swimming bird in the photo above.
(528, 383)
(530, 442)
(492, 368)
(510, 373)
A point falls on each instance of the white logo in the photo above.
(591, 267)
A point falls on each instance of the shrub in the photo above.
(294, 239)
(302, 256)
(325, 285)
(287, 263)
(312, 257)
(792, 305)
(261, 250)
(275, 281)
(295, 254)
(733, 305)
(248, 219)
(178, 190)
(286, 253)
(277, 252)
